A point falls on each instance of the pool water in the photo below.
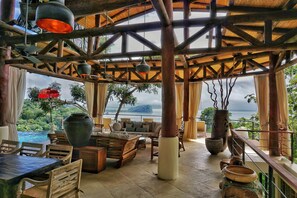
(37, 137)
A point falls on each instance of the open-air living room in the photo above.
(148, 98)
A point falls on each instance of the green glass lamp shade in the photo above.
(142, 68)
(55, 17)
(84, 69)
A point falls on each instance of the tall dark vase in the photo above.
(78, 127)
(220, 126)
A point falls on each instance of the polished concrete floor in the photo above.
(199, 176)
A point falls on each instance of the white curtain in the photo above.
(195, 96)
(89, 91)
(262, 95)
(282, 98)
(102, 91)
(179, 103)
(101, 97)
(16, 95)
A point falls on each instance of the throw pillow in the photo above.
(129, 125)
(137, 124)
(130, 128)
(116, 126)
(140, 129)
(146, 127)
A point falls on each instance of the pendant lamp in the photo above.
(84, 69)
(54, 17)
(143, 68)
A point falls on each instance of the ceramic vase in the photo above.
(78, 127)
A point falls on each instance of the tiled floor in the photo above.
(199, 176)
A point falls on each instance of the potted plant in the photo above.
(220, 97)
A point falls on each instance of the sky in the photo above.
(243, 86)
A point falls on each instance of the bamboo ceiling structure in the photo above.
(239, 44)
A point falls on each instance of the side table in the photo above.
(94, 158)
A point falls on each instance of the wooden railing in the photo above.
(239, 141)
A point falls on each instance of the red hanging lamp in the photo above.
(55, 17)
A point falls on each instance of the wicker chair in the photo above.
(155, 143)
(9, 146)
(63, 182)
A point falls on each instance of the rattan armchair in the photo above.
(63, 182)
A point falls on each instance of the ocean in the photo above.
(157, 112)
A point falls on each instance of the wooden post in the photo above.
(274, 149)
(7, 13)
(186, 69)
(168, 72)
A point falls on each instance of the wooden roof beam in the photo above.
(276, 16)
(106, 44)
(245, 36)
(256, 64)
(161, 11)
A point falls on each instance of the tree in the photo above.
(207, 116)
(124, 93)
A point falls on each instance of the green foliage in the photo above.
(78, 93)
(207, 116)
(251, 98)
(33, 118)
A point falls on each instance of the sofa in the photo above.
(145, 129)
(119, 146)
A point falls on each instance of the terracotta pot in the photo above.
(239, 173)
(78, 127)
(213, 145)
(220, 126)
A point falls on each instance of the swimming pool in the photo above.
(29, 136)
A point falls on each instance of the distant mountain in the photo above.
(141, 109)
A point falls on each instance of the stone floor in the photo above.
(199, 176)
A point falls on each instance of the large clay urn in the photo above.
(220, 126)
(78, 127)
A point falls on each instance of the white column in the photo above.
(168, 158)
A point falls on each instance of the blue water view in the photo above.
(41, 137)
(29, 136)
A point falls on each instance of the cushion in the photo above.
(147, 127)
(130, 128)
(137, 124)
(129, 125)
(116, 126)
(119, 135)
(140, 129)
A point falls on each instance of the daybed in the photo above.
(118, 146)
(145, 129)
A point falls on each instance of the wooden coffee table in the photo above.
(94, 158)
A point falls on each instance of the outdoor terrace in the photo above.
(199, 176)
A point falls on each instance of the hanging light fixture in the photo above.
(83, 69)
(54, 17)
(143, 68)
